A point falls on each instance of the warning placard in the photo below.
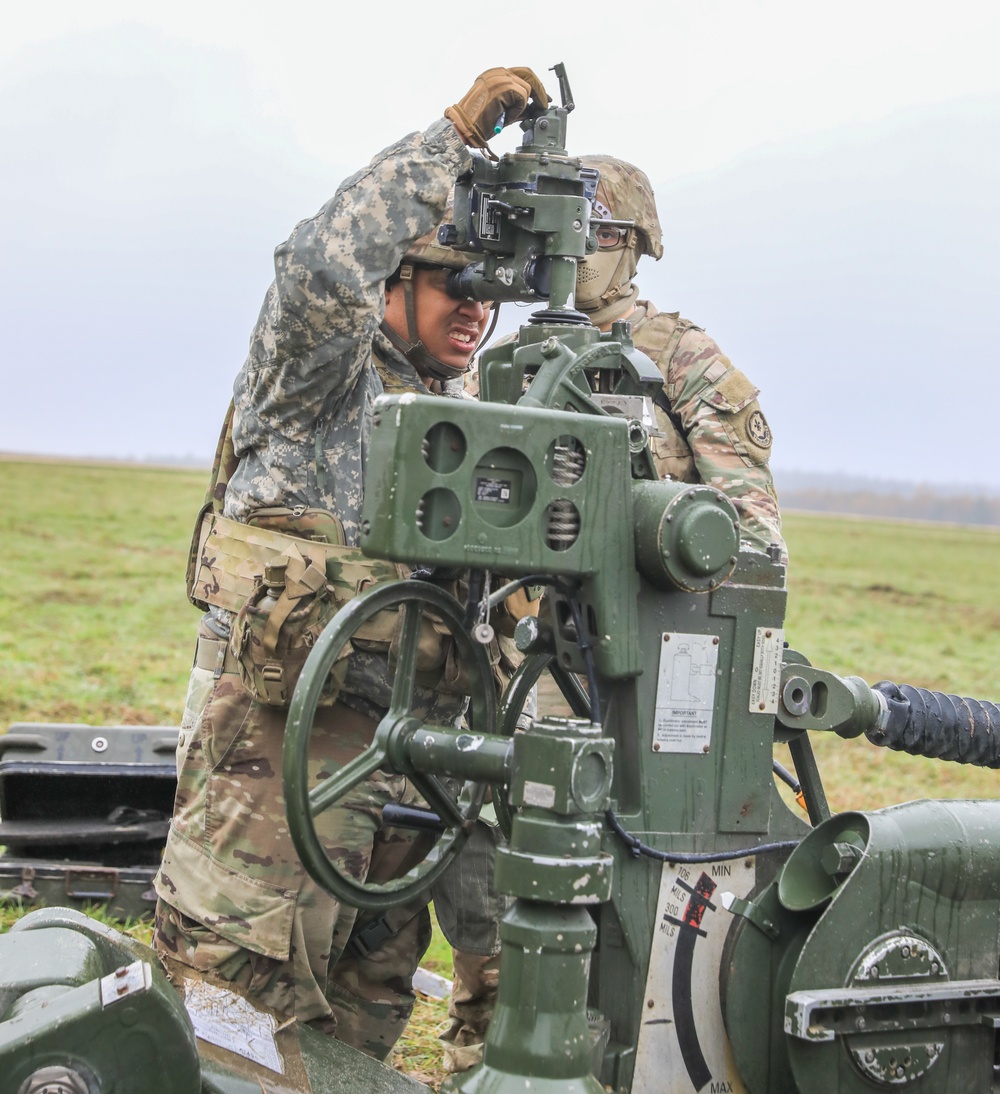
(685, 692)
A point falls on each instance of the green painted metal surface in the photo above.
(884, 972)
(86, 1010)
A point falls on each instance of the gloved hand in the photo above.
(499, 95)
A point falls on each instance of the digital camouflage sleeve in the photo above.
(303, 397)
(233, 895)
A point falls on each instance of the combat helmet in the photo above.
(604, 288)
(428, 252)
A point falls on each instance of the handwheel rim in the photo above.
(299, 800)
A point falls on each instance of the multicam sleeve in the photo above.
(729, 436)
(315, 329)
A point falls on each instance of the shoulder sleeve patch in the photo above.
(757, 428)
(736, 391)
(748, 433)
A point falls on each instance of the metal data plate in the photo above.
(765, 679)
(638, 407)
(685, 692)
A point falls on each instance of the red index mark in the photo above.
(694, 911)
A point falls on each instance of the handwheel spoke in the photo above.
(351, 774)
(573, 691)
(519, 689)
(406, 660)
(388, 751)
(438, 798)
(501, 806)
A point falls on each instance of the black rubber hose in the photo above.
(943, 727)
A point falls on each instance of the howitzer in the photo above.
(677, 926)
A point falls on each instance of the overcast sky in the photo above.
(827, 175)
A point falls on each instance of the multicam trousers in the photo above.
(236, 903)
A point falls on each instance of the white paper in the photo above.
(226, 1019)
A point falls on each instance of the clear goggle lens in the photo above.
(608, 238)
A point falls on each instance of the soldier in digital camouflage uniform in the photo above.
(344, 320)
(713, 432)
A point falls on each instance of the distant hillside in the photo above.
(953, 503)
(819, 492)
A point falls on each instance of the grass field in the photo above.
(95, 626)
(888, 600)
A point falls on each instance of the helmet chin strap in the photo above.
(411, 347)
(622, 304)
(416, 353)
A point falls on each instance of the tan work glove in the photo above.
(498, 97)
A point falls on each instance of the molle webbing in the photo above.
(226, 558)
(224, 465)
(231, 557)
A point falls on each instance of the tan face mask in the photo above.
(605, 275)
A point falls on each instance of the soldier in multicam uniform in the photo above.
(345, 319)
(713, 432)
(713, 428)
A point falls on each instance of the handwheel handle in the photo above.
(388, 749)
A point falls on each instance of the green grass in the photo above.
(918, 603)
(94, 623)
(418, 1052)
(889, 600)
(95, 626)
(140, 929)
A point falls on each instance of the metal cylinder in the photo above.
(459, 753)
(686, 537)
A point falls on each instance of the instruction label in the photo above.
(488, 220)
(685, 692)
(226, 1019)
(765, 680)
(495, 490)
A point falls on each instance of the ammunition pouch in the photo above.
(276, 625)
(521, 602)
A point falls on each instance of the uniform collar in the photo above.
(395, 372)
